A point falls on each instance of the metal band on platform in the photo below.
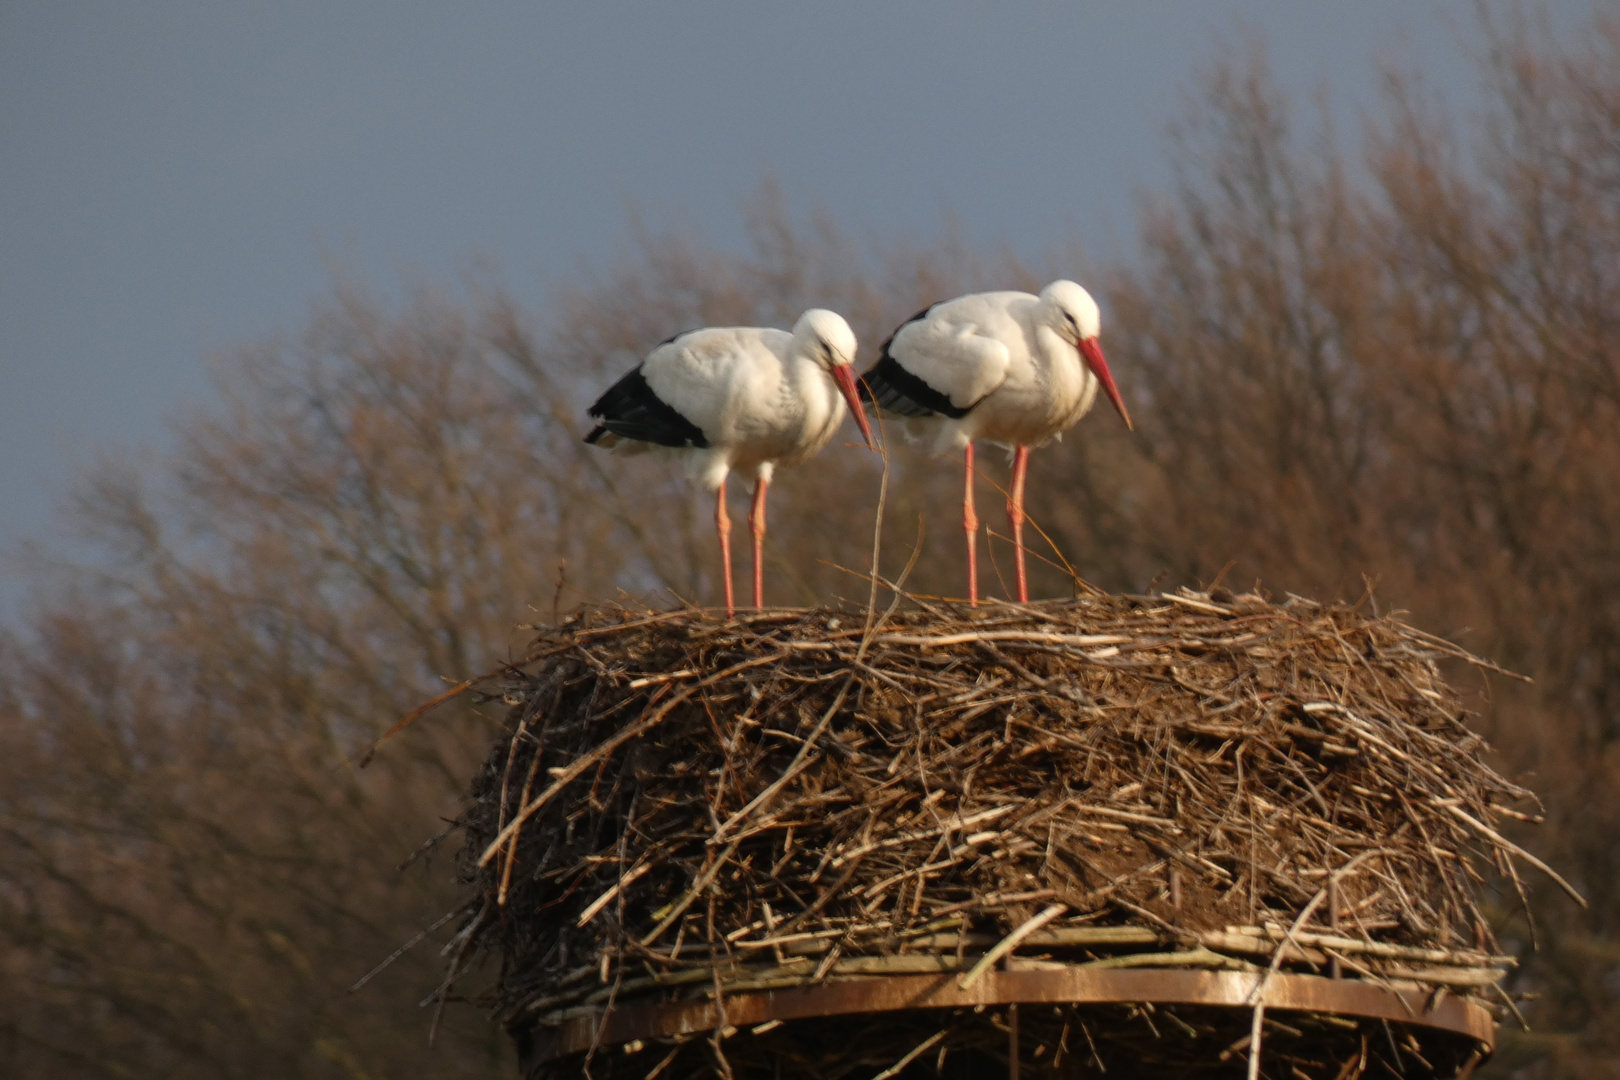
(1350, 998)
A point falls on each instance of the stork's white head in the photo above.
(826, 338)
(1078, 321)
(1076, 310)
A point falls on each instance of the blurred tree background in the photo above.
(1399, 365)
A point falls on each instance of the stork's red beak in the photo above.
(1099, 367)
(844, 376)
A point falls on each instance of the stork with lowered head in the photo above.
(1004, 367)
(740, 398)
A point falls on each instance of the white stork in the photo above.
(738, 397)
(1001, 366)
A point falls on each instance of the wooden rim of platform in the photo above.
(1349, 998)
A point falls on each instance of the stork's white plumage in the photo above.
(1007, 367)
(742, 398)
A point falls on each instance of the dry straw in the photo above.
(686, 805)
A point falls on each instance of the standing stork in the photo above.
(738, 397)
(1007, 367)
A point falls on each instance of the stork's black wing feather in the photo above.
(898, 392)
(631, 410)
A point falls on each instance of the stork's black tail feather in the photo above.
(630, 410)
(900, 393)
(895, 390)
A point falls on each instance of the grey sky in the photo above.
(180, 177)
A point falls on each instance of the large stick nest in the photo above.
(686, 804)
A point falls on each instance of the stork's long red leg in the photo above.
(970, 525)
(756, 525)
(722, 525)
(1015, 513)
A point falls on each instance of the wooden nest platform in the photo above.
(1129, 834)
